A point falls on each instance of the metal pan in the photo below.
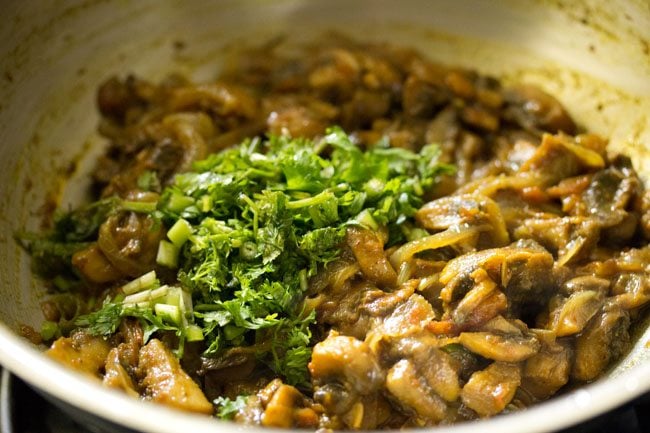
(595, 56)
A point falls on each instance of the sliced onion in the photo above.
(448, 237)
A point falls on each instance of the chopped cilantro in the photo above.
(228, 408)
(261, 218)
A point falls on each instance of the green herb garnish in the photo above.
(261, 218)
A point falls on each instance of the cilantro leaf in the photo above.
(264, 216)
(228, 408)
(104, 321)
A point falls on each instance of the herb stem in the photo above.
(311, 201)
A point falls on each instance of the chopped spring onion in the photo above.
(140, 206)
(365, 219)
(179, 232)
(206, 203)
(193, 333)
(178, 202)
(62, 283)
(167, 254)
(49, 330)
(143, 282)
(169, 313)
(183, 300)
(146, 295)
(144, 305)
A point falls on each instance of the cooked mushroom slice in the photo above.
(586, 282)
(232, 364)
(634, 260)
(548, 370)
(94, 266)
(575, 312)
(501, 325)
(603, 340)
(130, 242)
(523, 269)
(572, 238)
(298, 116)
(191, 131)
(368, 413)
(132, 337)
(500, 347)
(466, 362)
(116, 375)
(480, 118)
(609, 196)
(286, 408)
(559, 157)
(220, 98)
(368, 249)
(631, 290)
(483, 302)
(335, 73)
(421, 98)
(465, 209)
(116, 97)
(164, 381)
(489, 391)
(435, 366)
(450, 237)
(408, 387)
(81, 351)
(644, 224)
(361, 306)
(533, 109)
(409, 318)
(168, 147)
(348, 361)
(365, 106)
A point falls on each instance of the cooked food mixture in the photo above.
(345, 236)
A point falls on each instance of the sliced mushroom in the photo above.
(81, 351)
(164, 381)
(465, 209)
(534, 109)
(500, 347)
(548, 370)
(286, 409)
(348, 361)
(586, 282)
(192, 131)
(223, 99)
(571, 238)
(603, 340)
(489, 391)
(559, 157)
(116, 375)
(411, 392)
(94, 266)
(434, 365)
(409, 318)
(481, 303)
(130, 242)
(368, 249)
(575, 312)
(523, 269)
(631, 290)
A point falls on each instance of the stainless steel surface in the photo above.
(6, 425)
